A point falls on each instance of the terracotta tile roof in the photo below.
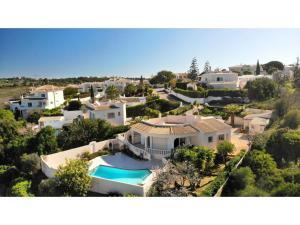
(175, 130)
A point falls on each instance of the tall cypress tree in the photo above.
(194, 71)
(92, 94)
(257, 68)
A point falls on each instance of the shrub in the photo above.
(47, 187)
(161, 105)
(30, 164)
(162, 77)
(262, 164)
(70, 92)
(52, 112)
(259, 141)
(239, 179)
(291, 119)
(152, 98)
(73, 179)
(45, 141)
(288, 190)
(284, 145)
(224, 148)
(181, 85)
(231, 164)
(33, 117)
(20, 188)
(180, 110)
(261, 89)
(73, 106)
(8, 173)
(216, 184)
(151, 112)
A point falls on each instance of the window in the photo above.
(40, 104)
(210, 139)
(110, 115)
(221, 137)
(43, 95)
(219, 78)
(29, 104)
(119, 113)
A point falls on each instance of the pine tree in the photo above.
(207, 67)
(297, 74)
(92, 94)
(257, 68)
(194, 71)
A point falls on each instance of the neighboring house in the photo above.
(242, 80)
(158, 137)
(97, 87)
(257, 120)
(220, 79)
(243, 68)
(182, 76)
(112, 111)
(57, 122)
(100, 87)
(40, 98)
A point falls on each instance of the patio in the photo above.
(120, 160)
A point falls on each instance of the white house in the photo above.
(40, 98)
(112, 111)
(242, 68)
(257, 120)
(242, 80)
(57, 122)
(220, 79)
(158, 137)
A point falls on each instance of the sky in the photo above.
(135, 52)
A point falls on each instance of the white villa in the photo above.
(220, 79)
(57, 122)
(158, 137)
(100, 87)
(243, 68)
(112, 111)
(153, 140)
(257, 120)
(40, 98)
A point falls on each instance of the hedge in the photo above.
(182, 85)
(226, 92)
(190, 93)
(180, 110)
(211, 92)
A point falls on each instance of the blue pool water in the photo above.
(121, 175)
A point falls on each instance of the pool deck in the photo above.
(123, 161)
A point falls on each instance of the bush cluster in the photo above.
(152, 108)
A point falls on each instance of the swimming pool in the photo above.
(121, 175)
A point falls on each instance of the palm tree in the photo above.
(112, 92)
(232, 109)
